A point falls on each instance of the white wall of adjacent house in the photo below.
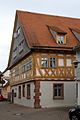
(77, 74)
(78, 93)
(46, 89)
(23, 100)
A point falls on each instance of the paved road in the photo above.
(15, 112)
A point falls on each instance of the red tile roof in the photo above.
(37, 33)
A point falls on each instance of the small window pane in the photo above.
(60, 62)
(52, 62)
(61, 39)
(23, 90)
(19, 91)
(68, 62)
(44, 62)
(28, 91)
(58, 90)
(17, 71)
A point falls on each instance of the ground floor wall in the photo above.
(24, 100)
(41, 94)
(47, 100)
(78, 100)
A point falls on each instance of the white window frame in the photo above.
(61, 62)
(68, 63)
(60, 39)
(44, 62)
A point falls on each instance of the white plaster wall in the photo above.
(24, 101)
(77, 74)
(46, 89)
(7, 73)
(78, 93)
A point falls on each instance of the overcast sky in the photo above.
(70, 8)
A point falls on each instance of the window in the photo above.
(68, 62)
(44, 62)
(15, 35)
(23, 90)
(27, 66)
(24, 68)
(15, 53)
(19, 92)
(17, 71)
(60, 39)
(28, 91)
(52, 62)
(21, 46)
(17, 32)
(58, 91)
(60, 62)
(0, 92)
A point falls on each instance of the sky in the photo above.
(69, 8)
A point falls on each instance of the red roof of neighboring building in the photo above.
(35, 28)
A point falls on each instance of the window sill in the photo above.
(28, 97)
(58, 98)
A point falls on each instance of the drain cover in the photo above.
(18, 114)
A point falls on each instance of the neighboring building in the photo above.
(40, 61)
(77, 71)
(1, 83)
(6, 84)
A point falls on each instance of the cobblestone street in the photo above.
(15, 112)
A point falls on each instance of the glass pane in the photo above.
(60, 62)
(44, 62)
(60, 39)
(68, 62)
(52, 62)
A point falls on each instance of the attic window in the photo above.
(16, 34)
(58, 34)
(18, 31)
(61, 39)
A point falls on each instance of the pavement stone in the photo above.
(10, 111)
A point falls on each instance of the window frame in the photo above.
(67, 64)
(63, 62)
(43, 59)
(23, 90)
(16, 71)
(52, 62)
(58, 88)
(19, 92)
(28, 91)
(64, 39)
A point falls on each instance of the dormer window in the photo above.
(61, 39)
(58, 34)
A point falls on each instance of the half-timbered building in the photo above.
(40, 61)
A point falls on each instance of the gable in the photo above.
(19, 45)
(58, 34)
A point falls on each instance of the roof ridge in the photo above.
(46, 14)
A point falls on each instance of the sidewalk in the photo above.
(15, 112)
